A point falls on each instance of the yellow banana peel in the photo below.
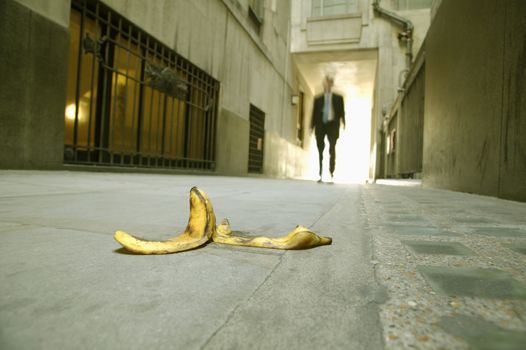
(202, 228)
(299, 238)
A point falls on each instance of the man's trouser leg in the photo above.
(332, 151)
(320, 142)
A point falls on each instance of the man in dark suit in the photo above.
(327, 114)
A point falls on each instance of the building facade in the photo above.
(226, 87)
(204, 85)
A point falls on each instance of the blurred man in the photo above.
(327, 114)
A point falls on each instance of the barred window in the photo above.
(131, 100)
(256, 150)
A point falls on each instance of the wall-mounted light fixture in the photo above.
(295, 99)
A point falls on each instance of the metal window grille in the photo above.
(256, 140)
(133, 101)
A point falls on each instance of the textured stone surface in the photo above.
(500, 231)
(411, 317)
(483, 335)
(404, 229)
(446, 248)
(471, 220)
(474, 282)
(519, 248)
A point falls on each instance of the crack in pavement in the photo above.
(243, 302)
(330, 209)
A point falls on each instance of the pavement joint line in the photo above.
(60, 193)
(39, 185)
(381, 294)
(64, 228)
(232, 312)
(330, 209)
(39, 194)
(232, 194)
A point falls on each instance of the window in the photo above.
(82, 90)
(256, 140)
(132, 101)
(301, 118)
(413, 4)
(333, 7)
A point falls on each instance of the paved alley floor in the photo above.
(408, 267)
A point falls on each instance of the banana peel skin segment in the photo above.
(299, 238)
(200, 228)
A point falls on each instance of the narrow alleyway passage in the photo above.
(408, 267)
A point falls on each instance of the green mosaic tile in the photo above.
(519, 248)
(500, 231)
(482, 335)
(444, 248)
(473, 282)
(403, 229)
(471, 220)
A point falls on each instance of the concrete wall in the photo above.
(391, 152)
(232, 143)
(304, 151)
(253, 68)
(218, 36)
(435, 5)
(513, 153)
(33, 67)
(475, 107)
(411, 128)
(54, 10)
(407, 118)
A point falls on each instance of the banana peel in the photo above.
(299, 238)
(202, 228)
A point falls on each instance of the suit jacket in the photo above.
(332, 126)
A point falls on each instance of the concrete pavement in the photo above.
(408, 267)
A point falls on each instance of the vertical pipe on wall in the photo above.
(406, 35)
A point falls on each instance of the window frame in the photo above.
(349, 8)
